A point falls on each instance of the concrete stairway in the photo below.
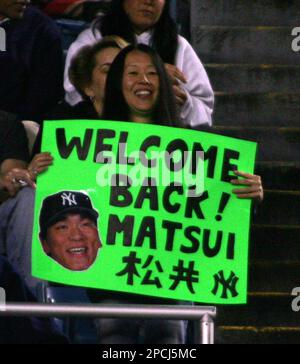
(246, 46)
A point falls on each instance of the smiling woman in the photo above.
(150, 22)
(138, 89)
(140, 86)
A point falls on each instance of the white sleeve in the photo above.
(87, 37)
(199, 106)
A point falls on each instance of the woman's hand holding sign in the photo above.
(40, 163)
(254, 189)
(176, 76)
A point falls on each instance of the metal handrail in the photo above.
(205, 315)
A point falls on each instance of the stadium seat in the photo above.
(78, 330)
(70, 29)
(32, 129)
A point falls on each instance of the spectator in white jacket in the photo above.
(149, 22)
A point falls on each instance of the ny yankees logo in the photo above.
(228, 285)
(69, 198)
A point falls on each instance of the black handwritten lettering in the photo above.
(65, 149)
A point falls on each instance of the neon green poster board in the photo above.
(168, 222)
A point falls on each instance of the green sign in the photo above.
(168, 226)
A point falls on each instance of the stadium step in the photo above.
(279, 208)
(266, 109)
(271, 276)
(275, 243)
(279, 175)
(270, 309)
(274, 144)
(239, 78)
(244, 45)
(239, 335)
(247, 49)
(232, 12)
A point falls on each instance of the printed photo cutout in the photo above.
(68, 230)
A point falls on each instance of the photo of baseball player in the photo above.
(68, 230)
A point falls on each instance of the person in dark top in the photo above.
(31, 67)
(14, 155)
(13, 140)
(89, 73)
(18, 330)
(15, 169)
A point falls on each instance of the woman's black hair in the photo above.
(165, 36)
(115, 106)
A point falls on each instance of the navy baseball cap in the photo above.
(56, 206)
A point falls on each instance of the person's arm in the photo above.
(15, 174)
(87, 37)
(10, 164)
(249, 186)
(12, 171)
(198, 104)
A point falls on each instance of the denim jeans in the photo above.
(16, 223)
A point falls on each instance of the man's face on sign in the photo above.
(73, 242)
(13, 9)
